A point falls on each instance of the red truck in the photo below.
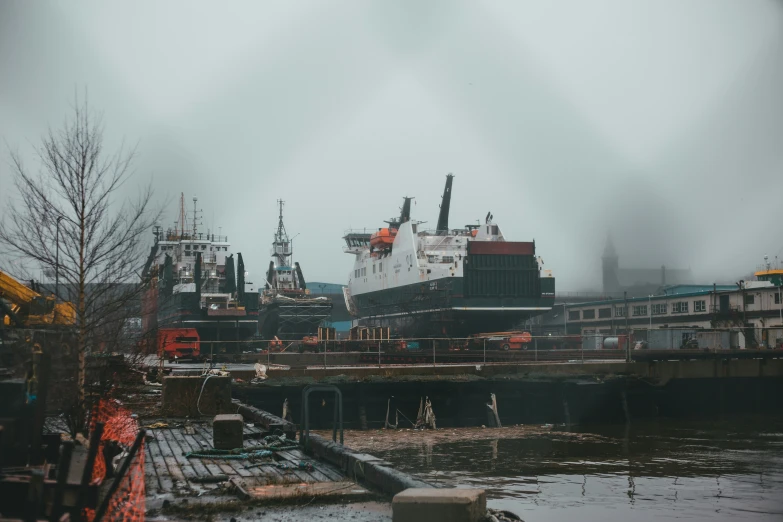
(178, 343)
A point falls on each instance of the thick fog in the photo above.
(660, 121)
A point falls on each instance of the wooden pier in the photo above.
(285, 473)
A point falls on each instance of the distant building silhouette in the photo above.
(637, 282)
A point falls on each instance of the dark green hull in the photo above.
(444, 308)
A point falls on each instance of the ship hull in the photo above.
(219, 330)
(292, 319)
(441, 308)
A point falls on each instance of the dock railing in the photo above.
(508, 347)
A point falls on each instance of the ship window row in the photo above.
(380, 267)
(443, 259)
(360, 272)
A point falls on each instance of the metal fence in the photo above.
(500, 348)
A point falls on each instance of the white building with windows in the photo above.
(753, 310)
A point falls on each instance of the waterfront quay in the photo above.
(671, 384)
(532, 396)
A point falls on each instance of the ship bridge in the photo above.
(356, 240)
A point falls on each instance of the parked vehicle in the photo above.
(178, 343)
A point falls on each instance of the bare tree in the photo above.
(67, 218)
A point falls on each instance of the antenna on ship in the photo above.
(180, 230)
(281, 233)
(196, 216)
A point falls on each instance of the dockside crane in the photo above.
(25, 307)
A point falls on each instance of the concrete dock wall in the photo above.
(192, 396)
(378, 474)
(528, 394)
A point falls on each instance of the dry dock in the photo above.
(544, 392)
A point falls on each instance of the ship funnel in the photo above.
(168, 276)
(270, 274)
(443, 217)
(231, 282)
(197, 277)
(240, 279)
(300, 276)
(405, 215)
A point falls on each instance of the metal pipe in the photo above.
(34, 495)
(42, 363)
(63, 467)
(101, 511)
(95, 444)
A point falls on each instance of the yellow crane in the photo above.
(25, 307)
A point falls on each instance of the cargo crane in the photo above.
(24, 307)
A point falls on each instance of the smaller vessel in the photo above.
(192, 284)
(287, 310)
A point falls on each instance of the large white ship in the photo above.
(444, 282)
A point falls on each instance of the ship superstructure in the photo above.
(444, 282)
(287, 309)
(194, 283)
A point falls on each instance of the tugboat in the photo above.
(193, 285)
(444, 282)
(288, 312)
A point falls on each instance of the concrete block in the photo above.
(181, 395)
(435, 505)
(227, 431)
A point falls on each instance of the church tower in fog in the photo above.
(610, 265)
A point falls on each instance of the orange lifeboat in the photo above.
(383, 238)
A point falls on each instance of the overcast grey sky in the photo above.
(660, 120)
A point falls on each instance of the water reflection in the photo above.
(648, 471)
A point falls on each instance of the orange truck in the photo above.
(178, 343)
(509, 340)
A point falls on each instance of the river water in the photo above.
(693, 470)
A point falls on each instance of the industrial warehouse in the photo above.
(749, 315)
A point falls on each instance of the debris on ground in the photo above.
(390, 439)
(500, 515)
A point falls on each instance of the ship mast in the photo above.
(282, 244)
(179, 226)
